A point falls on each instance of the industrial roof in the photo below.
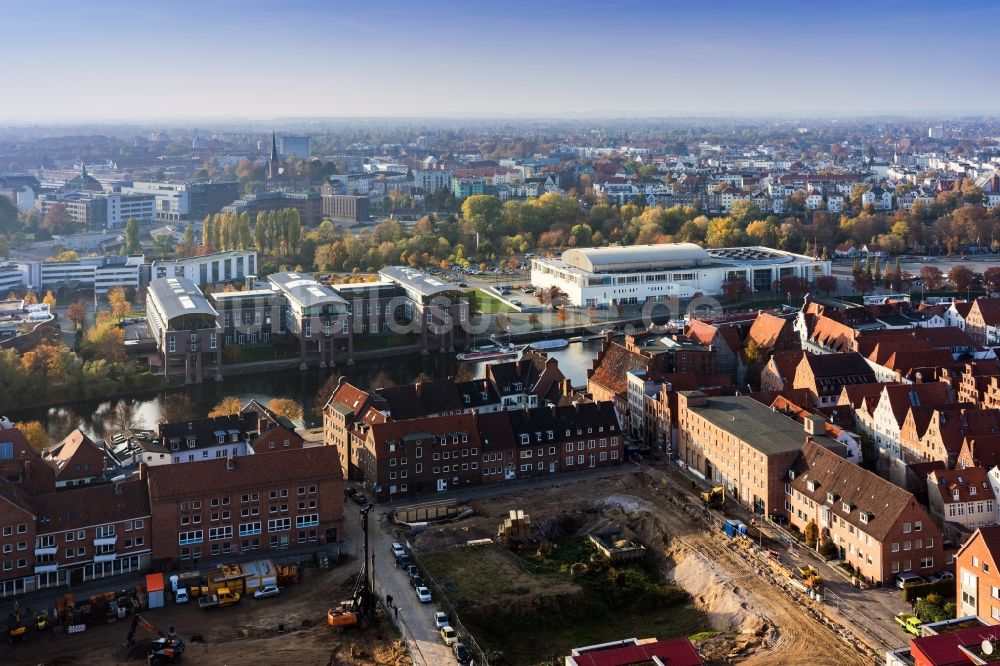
(304, 290)
(635, 257)
(764, 429)
(179, 296)
(752, 254)
(418, 281)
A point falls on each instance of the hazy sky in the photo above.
(112, 59)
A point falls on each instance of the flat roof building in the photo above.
(660, 272)
(185, 327)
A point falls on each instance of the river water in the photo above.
(301, 386)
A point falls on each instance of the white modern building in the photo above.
(172, 201)
(10, 277)
(231, 266)
(97, 273)
(299, 146)
(660, 272)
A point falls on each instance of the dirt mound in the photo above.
(715, 593)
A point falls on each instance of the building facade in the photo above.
(185, 327)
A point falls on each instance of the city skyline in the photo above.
(246, 60)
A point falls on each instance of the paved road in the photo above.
(416, 620)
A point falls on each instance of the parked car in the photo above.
(360, 499)
(417, 581)
(939, 576)
(907, 578)
(423, 594)
(440, 619)
(516, 302)
(265, 591)
(462, 285)
(909, 623)
(181, 596)
(448, 635)
(462, 653)
(398, 550)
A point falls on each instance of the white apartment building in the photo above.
(125, 207)
(232, 266)
(97, 273)
(10, 277)
(431, 180)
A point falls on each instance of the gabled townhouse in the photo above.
(894, 403)
(529, 381)
(879, 528)
(977, 575)
(962, 498)
(206, 439)
(979, 451)
(77, 460)
(771, 333)
(947, 429)
(957, 313)
(978, 385)
(983, 321)
(850, 441)
(778, 373)
(825, 375)
(723, 340)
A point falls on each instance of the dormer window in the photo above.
(811, 485)
(550, 434)
(466, 398)
(791, 474)
(847, 507)
(954, 494)
(831, 497)
(525, 438)
(865, 517)
(972, 490)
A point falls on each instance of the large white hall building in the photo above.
(635, 274)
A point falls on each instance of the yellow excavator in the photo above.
(714, 498)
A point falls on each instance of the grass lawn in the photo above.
(488, 304)
(519, 617)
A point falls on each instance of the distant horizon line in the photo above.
(14, 121)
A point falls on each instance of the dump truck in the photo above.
(222, 597)
(714, 498)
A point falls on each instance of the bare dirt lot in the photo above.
(749, 614)
(246, 633)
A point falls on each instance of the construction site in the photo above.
(221, 623)
(638, 554)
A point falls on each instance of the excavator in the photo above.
(165, 648)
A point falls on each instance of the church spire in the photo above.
(272, 164)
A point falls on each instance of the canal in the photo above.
(301, 386)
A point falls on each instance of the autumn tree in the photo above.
(735, 288)
(120, 307)
(991, 279)
(794, 286)
(863, 282)
(811, 534)
(104, 340)
(50, 299)
(754, 361)
(77, 313)
(226, 406)
(381, 380)
(176, 407)
(35, 434)
(30, 298)
(826, 283)
(961, 277)
(286, 407)
(124, 417)
(932, 277)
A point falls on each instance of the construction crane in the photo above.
(164, 647)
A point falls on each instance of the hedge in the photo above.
(946, 588)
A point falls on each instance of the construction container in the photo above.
(244, 578)
(154, 590)
(734, 528)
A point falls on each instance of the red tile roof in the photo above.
(75, 446)
(203, 477)
(766, 330)
(945, 649)
(87, 506)
(613, 364)
(965, 481)
(673, 652)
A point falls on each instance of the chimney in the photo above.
(142, 470)
(814, 424)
